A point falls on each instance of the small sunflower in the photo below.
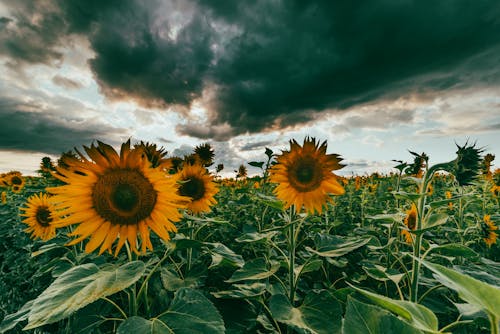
(495, 191)
(304, 175)
(242, 172)
(467, 164)
(4, 197)
(410, 222)
(156, 156)
(206, 154)
(197, 184)
(116, 197)
(490, 237)
(39, 215)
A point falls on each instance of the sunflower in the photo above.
(116, 197)
(410, 222)
(488, 228)
(206, 154)
(156, 156)
(304, 175)
(4, 197)
(197, 184)
(39, 215)
(495, 190)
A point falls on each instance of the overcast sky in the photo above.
(373, 78)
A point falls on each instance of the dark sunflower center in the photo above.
(16, 180)
(43, 216)
(305, 174)
(194, 188)
(124, 196)
(412, 221)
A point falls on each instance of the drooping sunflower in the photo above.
(304, 175)
(490, 237)
(197, 184)
(116, 197)
(411, 223)
(39, 213)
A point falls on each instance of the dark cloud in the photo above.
(260, 145)
(40, 132)
(66, 82)
(266, 64)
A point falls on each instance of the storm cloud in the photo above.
(29, 131)
(264, 65)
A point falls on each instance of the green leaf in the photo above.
(383, 274)
(256, 236)
(319, 313)
(79, 287)
(257, 164)
(392, 217)
(333, 246)
(417, 315)
(140, 325)
(473, 291)
(242, 291)
(172, 282)
(453, 250)
(270, 201)
(10, 321)
(361, 318)
(435, 220)
(223, 255)
(254, 270)
(191, 312)
(412, 197)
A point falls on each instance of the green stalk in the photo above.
(291, 254)
(495, 324)
(190, 250)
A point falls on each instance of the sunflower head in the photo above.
(155, 156)
(40, 214)
(219, 168)
(242, 172)
(488, 230)
(495, 191)
(304, 175)
(411, 223)
(467, 164)
(486, 164)
(199, 186)
(116, 197)
(206, 154)
(417, 168)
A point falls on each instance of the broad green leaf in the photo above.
(468, 311)
(191, 312)
(45, 248)
(435, 220)
(417, 315)
(471, 290)
(223, 255)
(79, 287)
(140, 325)
(172, 282)
(390, 217)
(333, 246)
(256, 236)
(307, 267)
(242, 291)
(383, 274)
(413, 197)
(271, 201)
(453, 250)
(254, 270)
(361, 318)
(487, 271)
(10, 321)
(257, 164)
(319, 313)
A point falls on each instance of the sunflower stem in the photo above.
(495, 324)
(190, 250)
(291, 254)
(417, 245)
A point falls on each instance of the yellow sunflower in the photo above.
(199, 185)
(4, 197)
(116, 197)
(490, 236)
(410, 222)
(495, 191)
(304, 176)
(39, 215)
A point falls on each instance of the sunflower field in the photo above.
(137, 242)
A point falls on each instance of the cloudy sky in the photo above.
(374, 78)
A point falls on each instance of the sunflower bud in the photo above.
(467, 164)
